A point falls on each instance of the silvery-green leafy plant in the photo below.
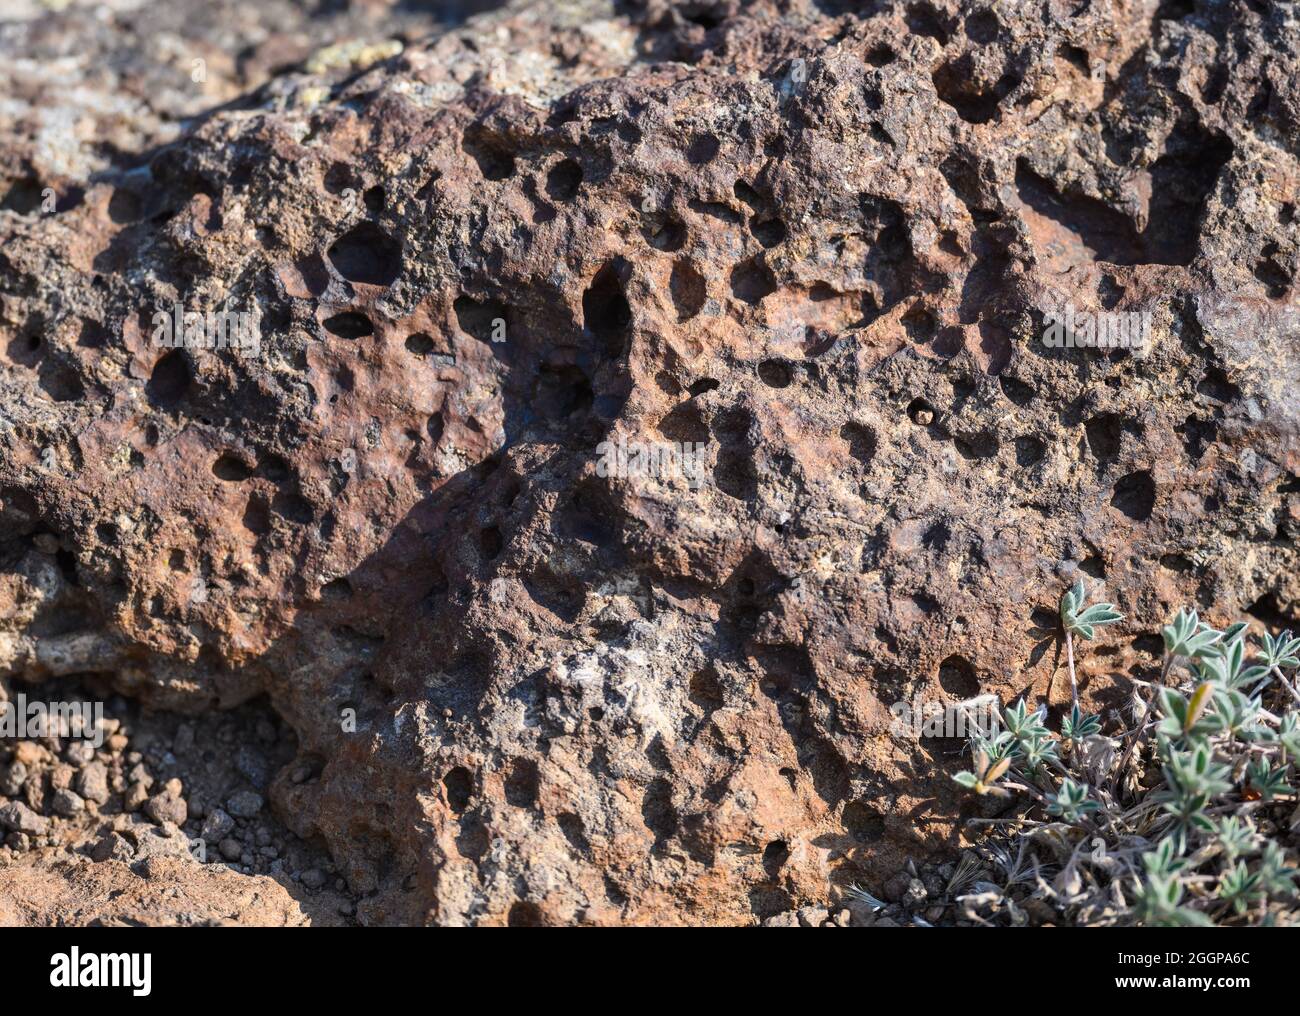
(1239, 887)
(1184, 719)
(1186, 637)
(1236, 837)
(1077, 618)
(1079, 725)
(1071, 801)
(1082, 620)
(984, 779)
(1192, 779)
(1282, 652)
(1183, 815)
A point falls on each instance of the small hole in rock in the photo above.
(688, 290)
(605, 310)
(484, 321)
(419, 344)
(775, 373)
(524, 915)
(862, 441)
(1135, 495)
(703, 150)
(491, 542)
(349, 325)
(668, 235)
(957, 677)
(563, 181)
(459, 786)
(1104, 432)
(1029, 450)
(494, 160)
(231, 468)
(768, 232)
(336, 590)
(751, 281)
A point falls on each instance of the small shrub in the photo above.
(1184, 815)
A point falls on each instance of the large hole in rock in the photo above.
(605, 310)
(367, 255)
(485, 321)
(348, 325)
(1135, 495)
(495, 160)
(169, 380)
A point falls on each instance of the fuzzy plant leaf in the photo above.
(1225, 665)
(1276, 876)
(1186, 637)
(1288, 733)
(1079, 725)
(1194, 779)
(1267, 781)
(1240, 887)
(1185, 719)
(1237, 714)
(986, 775)
(1158, 904)
(1282, 652)
(1022, 722)
(1165, 861)
(1082, 620)
(1236, 837)
(1037, 752)
(1071, 801)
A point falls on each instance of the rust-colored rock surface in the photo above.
(167, 892)
(818, 239)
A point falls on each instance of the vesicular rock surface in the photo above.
(818, 239)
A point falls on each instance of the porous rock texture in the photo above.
(167, 891)
(818, 237)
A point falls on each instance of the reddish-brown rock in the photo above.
(821, 244)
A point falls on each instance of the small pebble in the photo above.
(18, 817)
(92, 782)
(112, 847)
(136, 795)
(67, 803)
(217, 826)
(167, 806)
(13, 778)
(244, 804)
(79, 753)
